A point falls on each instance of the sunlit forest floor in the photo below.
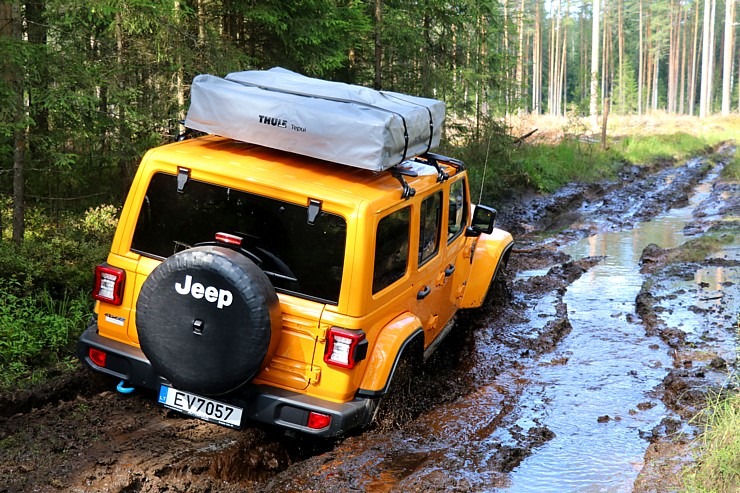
(553, 129)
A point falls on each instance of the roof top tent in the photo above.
(333, 121)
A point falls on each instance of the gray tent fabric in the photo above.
(333, 121)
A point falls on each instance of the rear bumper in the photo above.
(262, 403)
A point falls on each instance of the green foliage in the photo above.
(45, 289)
(58, 256)
(492, 170)
(698, 249)
(717, 466)
(624, 98)
(100, 222)
(36, 331)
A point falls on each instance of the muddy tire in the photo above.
(500, 289)
(397, 407)
(208, 320)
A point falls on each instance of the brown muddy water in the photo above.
(600, 403)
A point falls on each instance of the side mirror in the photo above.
(484, 219)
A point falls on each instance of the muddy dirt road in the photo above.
(583, 380)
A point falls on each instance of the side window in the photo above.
(458, 210)
(391, 249)
(429, 226)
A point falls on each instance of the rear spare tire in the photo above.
(208, 320)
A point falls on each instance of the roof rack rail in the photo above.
(455, 163)
(429, 159)
(398, 173)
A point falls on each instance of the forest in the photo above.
(87, 87)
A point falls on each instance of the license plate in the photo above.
(200, 407)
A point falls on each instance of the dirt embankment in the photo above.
(77, 436)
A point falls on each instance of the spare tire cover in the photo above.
(208, 319)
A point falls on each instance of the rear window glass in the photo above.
(299, 258)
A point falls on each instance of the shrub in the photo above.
(36, 331)
(58, 256)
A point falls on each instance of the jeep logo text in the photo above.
(275, 122)
(221, 297)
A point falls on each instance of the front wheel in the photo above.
(400, 404)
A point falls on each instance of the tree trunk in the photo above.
(593, 110)
(710, 91)
(620, 61)
(179, 77)
(682, 69)
(656, 78)
(201, 23)
(563, 92)
(537, 62)
(555, 61)
(378, 81)
(551, 64)
(705, 62)
(694, 61)
(727, 57)
(585, 73)
(604, 122)
(7, 72)
(673, 21)
(606, 54)
(647, 92)
(19, 141)
(11, 25)
(520, 58)
(640, 75)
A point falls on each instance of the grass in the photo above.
(717, 466)
(698, 249)
(648, 148)
(731, 171)
(548, 168)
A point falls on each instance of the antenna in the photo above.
(485, 168)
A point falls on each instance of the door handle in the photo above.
(449, 270)
(423, 293)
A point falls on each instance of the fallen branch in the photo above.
(519, 140)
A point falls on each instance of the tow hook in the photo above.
(122, 388)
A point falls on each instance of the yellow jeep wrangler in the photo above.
(245, 282)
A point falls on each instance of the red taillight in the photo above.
(345, 348)
(317, 421)
(97, 356)
(109, 284)
(229, 239)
